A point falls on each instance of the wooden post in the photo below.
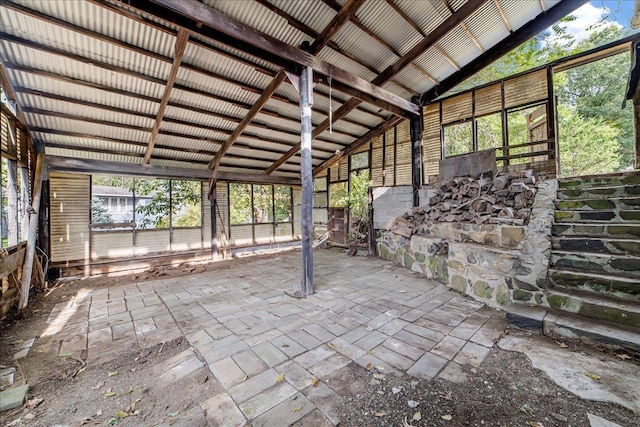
(24, 217)
(27, 268)
(12, 198)
(416, 126)
(213, 198)
(306, 211)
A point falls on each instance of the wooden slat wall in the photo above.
(241, 235)
(152, 241)
(70, 215)
(297, 204)
(431, 148)
(112, 244)
(488, 100)
(376, 162)
(525, 89)
(5, 132)
(284, 231)
(263, 233)
(456, 108)
(184, 239)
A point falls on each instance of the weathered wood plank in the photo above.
(223, 23)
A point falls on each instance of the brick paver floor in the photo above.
(249, 331)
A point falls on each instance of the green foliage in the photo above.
(186, 204)
(589, 145)
(264, 197)
(458, 139)
(99, 214)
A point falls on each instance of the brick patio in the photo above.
(248, 331)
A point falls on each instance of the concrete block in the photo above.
(13, 397)
(221, 410)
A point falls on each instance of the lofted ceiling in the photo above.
(205, 85)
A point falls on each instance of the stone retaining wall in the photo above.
(496, 264)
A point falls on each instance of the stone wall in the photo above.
(496, 264)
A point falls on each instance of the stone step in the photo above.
(623, 178)
(616, 191)
(597, 229)
(623, 203)
(604, 264)
(561, 324)
(627, 288)
(597, 245)
(613, 215)
(595, 306)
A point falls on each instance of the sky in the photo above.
(618, 12)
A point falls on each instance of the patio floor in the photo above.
(248, 331)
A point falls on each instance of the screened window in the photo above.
(489, 130)
(240, 203)
(360, 160)
(262, 204)
(458, 139)
(186, 207)
(152, 203)
(339, 194)
(282, 198)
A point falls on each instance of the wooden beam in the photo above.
(27, 267)
(321, 42)
(223, 23)
(181, 44)
(524, 33)
(446, 56)
(306, 210)
(465, 28)
(364, 139)
(461, 14)
(69, 164)
(503, 15)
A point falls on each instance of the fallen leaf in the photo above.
(297, 409)
(623, 356)
(127, 392)
(593, 376)
(113, 421)
(81, 370)
(109, 394)
(280, 378)
(285, 345)
(380, 368)
(32, 403)
(121, 414)
(246, 377)
(379, 414)
(447, 417)
(67, 354)
(417, 416)
(535, 424)
(369, 367)
(314, 381)
(331, 345)
(112, 373)
(561, 344)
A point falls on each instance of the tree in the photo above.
(99, 213)
(590, 145)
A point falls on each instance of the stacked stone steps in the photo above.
(597, 306)
(596, 230)
(594, 270)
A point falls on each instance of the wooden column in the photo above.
(416, 126)
(13, 223)
(24, 217)
(213, 198)
(27, 268)
(306, 211)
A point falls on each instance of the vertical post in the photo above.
(416, 125)
(12, 198)
(27, 268)
(24, 214)
(306, 101)
(213, 198)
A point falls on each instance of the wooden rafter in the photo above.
(543, 6)
(521, 35)
(465, 28)
(181, 45)
(461, 14)
(503, 15)
(323, 39)
(214, 19)
(446, 56)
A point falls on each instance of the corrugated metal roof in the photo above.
(123, 85)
